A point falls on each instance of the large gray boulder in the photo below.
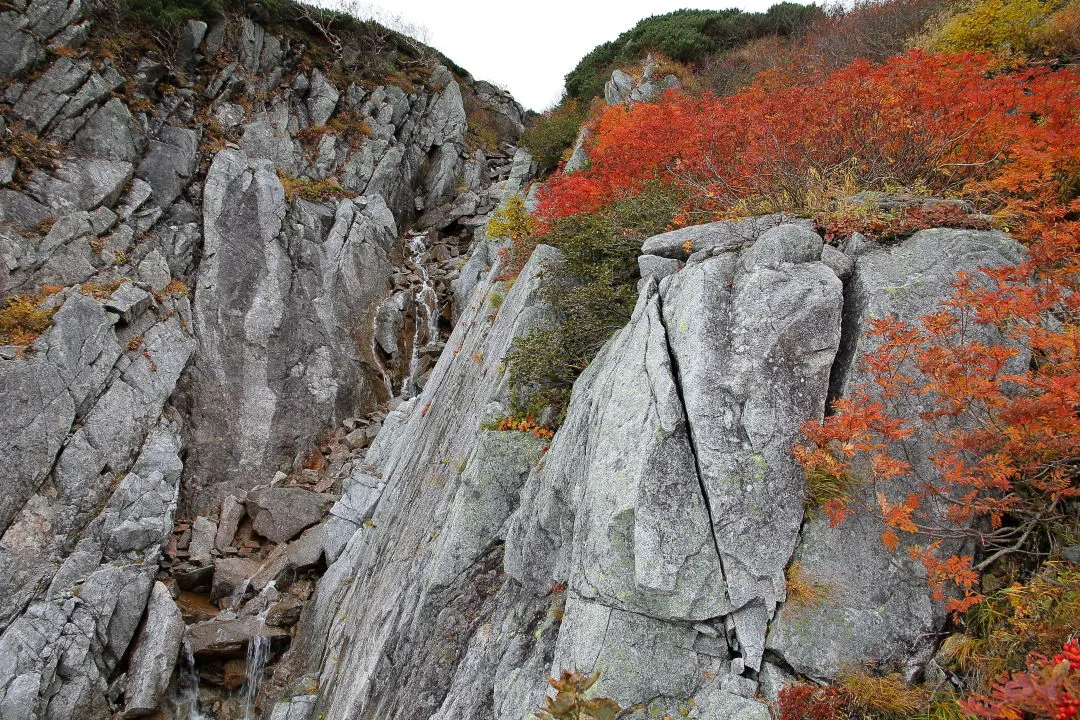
(279, 308)
(280, 514)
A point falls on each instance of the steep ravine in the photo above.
(248, 468)
(214, 233)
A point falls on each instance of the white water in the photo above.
(427, 306)
(187, 690)
(258, 654)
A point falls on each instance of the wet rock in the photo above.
(228, 638)
(286, 613)
(231, 574)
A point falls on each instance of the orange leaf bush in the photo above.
(1008, 142)
(917, 120)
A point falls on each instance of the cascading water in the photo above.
(258, 654)
(186, 701)
(427, 306)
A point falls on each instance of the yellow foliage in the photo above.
(1011, 28)
(511, 220)
(22, 320)
(1036, 616)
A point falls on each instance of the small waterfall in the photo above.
(427, 306)
(258, 654)
(186, 700)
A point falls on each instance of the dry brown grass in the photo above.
(885, 696)
(803, 590)
(22, 319)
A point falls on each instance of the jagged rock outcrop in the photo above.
(214, 228)
(651, 540)
(878, 609)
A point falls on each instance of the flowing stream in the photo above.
(187, 690)
(427, 307)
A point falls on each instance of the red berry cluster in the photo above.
(1067, 707)
(1070, 651)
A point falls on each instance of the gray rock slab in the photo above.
(81, 184)
(154, 656)
(170, 163)
(280, 514)
(228, 637)
(232, 512)
(722, 236)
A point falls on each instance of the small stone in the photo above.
(358, 439)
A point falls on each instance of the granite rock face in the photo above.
(878, 606)
(651, 540)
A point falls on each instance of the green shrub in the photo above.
(554, 131)
(686, 36)
(594, 289)
(169, 15)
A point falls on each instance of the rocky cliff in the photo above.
(250, 458)
(223, 251)
(649, 539)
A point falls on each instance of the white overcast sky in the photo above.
(529, 46)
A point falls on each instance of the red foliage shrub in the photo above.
(916, 120)
(1049, 689)
(812, 702)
